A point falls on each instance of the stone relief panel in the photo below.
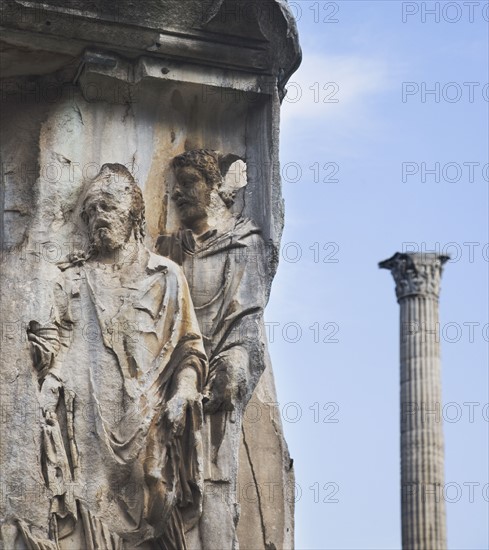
(224, 259)
(105, 343)
(121, 369)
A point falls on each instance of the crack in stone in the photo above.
(262, 519)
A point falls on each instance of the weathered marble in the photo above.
(222, 257)
(417, 278)
(86, 90)
(121, 369)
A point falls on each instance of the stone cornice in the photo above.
(207, 33)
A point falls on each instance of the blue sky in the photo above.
(337, 232)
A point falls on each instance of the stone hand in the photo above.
(224, 389)
(185, 398)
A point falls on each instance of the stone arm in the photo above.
(229, 381)
(45, 345)
(46, 342)
(239, 360)
(190, 365)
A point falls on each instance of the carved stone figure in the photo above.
(223, 259)
(81, 85)
(121, 368)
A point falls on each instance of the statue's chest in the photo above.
(100, 293)
(207, 278)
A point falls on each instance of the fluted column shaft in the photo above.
(422, 448)
(422, 454)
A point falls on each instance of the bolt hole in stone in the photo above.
(48, 23)
(165, 70)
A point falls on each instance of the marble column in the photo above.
(417, 278)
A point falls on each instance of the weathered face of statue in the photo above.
(107, 211)
(191, 194)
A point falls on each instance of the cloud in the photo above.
(335, 87)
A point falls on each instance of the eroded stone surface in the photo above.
(121, 368)
(88, 376)
(223, 258)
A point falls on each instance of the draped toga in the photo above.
(109, 457)
(226, 274)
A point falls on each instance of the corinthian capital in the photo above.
(416, 273)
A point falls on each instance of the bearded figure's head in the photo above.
(113, 209)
